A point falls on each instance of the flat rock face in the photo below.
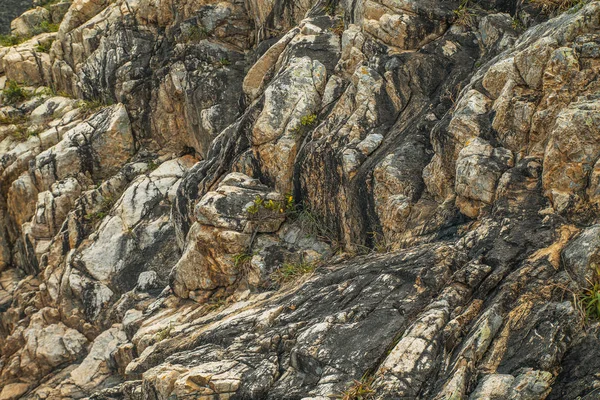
(286, 200)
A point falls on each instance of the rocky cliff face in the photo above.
(273, 199)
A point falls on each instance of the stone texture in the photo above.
(276, 199)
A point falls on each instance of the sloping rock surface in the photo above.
(276, 199)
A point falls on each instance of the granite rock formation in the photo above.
(313, 199)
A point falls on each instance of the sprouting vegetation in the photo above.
(92, 106)
(224, 62)
(11, 40)
(242, 259)
(152, 165)
(260, 205)
(360, 390)
(194, 33)
(44, 47)
(290, 271)
(555, 7)
(589, 299)
(464, 15)
(12, 119)
(164, 333)
(45, 27)
(21, 134)
(308, 120)
(103, 209)
(13, 93)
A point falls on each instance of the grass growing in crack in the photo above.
(556, 7)
(360, 390)
(195, 34)
(224, 62)
(164, 333)
(12, 120)
(45, 27)
(105, 206)
(21, 134)
(588, 301)
(11, 40)
(242, 259)
(290, 272)
(92, 106)
(464, 15)
(44, 47)
(13, 93)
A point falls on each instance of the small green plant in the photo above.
(164, 333)
(242, 259)
(11, 40)
(290, 272)
(195, 34)
(589, 300)
(270, 205)
(216, 304)
(103, 210)
(13, 93)
(21, 134)
(92, 106)
(464, 15)
(12, 119)
(224, 62)
(308, 120)
(152, 165)
(44, 27)
(44, 47)
(380, 244)
(555, 7)
(360, 390)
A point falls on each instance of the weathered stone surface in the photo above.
(271, 199)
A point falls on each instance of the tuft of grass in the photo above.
(195, 34)
(12, 119)
(360, 390)
(45, 27)
(464, 15)
(308, 120)
(242, 259)
(11, 40)
(224, 62)
(92, 106)
(21, 134)
(589, 299)
(105, 206)
(152, 165)
(13, 93)
(556, 7)
(290, 272)
(44, 47)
